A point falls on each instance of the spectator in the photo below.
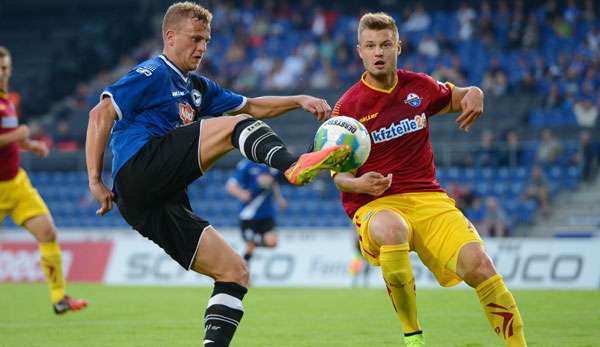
(512, 152)
(487, 154)
(549, 149)
(465, 15)
(538, 190)
(418, 20)
(586, 156)
(494, 221)
(553, 99)
(586, 113)
(495, 81)
(64, 139)
(429, 47)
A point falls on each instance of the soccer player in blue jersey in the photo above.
(255, 186)
(159, 148)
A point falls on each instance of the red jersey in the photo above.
(9, 154)
(397, 120)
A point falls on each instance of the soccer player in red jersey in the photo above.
(394, 199)
(21, 201)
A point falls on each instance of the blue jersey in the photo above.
(261, 204)
(154, 98)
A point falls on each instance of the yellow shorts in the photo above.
(20, 200)
(437, 230)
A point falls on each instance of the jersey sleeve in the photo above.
(440, 95)
(240, 173)
(137, 90)
(217, 100)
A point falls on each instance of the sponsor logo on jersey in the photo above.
(368, 118)
(413, 100)
(394, 131)
(196, 97)
(177, 93)
(186, 113)
(144, 71)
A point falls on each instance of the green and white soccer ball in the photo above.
(344, 130)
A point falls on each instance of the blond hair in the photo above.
(4, 52)
(183, 10)
(377, 21)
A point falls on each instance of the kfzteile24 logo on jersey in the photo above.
(394, 131)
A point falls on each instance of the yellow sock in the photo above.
(51, 264)
(501, 310)
(400, 283)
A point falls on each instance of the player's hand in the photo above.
(245, 196)
(22, 132)
(472, 107)
(319, 107)
(103, 195)
(38, 147)
(282, 203)
(374, 183)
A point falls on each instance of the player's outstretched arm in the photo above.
(101, 121)
(234, 189)
(372, 183)
(468, 101)
(272, 106)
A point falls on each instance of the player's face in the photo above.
(189, 43)
(5, 71)
(379, 51)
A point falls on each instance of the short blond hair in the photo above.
(183, 10)
(377, 21)
(4, 52)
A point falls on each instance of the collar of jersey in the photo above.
(172, 66)
(363, 79)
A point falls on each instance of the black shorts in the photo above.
(255, 229)
(151, 192)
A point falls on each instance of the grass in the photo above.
(172, 316)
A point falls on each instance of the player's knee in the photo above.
(478, 270)
(388, 228)
(271, 240)
(47, 233)
(236, 271)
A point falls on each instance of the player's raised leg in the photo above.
(476, 268)
(389, 231)
(42, 228)
(259, 143)
(216, 259)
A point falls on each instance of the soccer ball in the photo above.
(344, 130)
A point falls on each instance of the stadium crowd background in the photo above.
(538, 62)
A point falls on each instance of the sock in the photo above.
(400, 283)
(51, 264)
(259, 143)
(501, 310)
(223, 314)
(247, 257)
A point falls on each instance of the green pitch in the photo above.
(172, 316)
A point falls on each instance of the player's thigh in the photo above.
(362, 220)
(215, 138)
(473, 264)
(440, 233)
(28, 204)
(217, 259)
(388, 227)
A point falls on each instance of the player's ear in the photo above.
(399, 47)
(169, 38)
(358, 50)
